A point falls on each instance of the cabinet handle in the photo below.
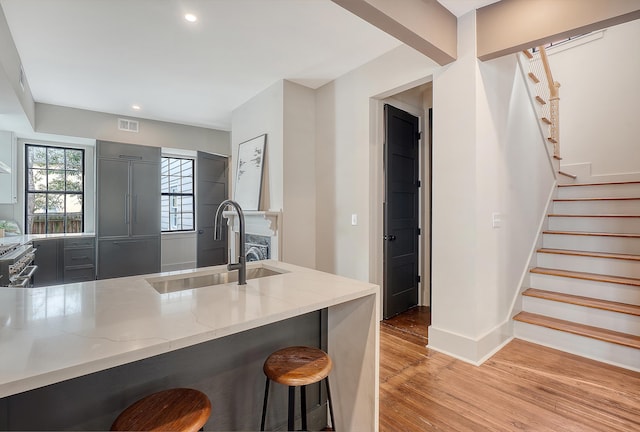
(126, 208)
(123, 156)
(135, 209)
(80, 258)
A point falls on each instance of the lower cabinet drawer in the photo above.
(80, 256)
(82, 242)
(79, 274)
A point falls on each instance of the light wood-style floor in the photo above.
(524, 387)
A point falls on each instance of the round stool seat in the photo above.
(180, 409)
(298, 366)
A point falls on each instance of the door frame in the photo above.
(377, 193)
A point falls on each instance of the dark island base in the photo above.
(228, 370)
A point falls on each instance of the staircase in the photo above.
(584, 294)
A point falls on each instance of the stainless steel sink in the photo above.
(173, 284)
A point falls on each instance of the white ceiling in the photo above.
(106, 55)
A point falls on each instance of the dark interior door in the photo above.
(401, 211)
(213, 185)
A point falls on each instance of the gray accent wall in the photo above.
(60, 120)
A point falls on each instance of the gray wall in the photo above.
(59, 120)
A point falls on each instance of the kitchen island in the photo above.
(113, 340)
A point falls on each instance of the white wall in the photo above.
(299, 181)
(599, 100)
(263, 114)
(488, 157)
(286, 113)
(345, 177)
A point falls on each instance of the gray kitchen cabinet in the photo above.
(48, 258)
(126, 257)
(128, 209)
(122, 151)
(113, 198)
(145, 199)
(79, 259)
(64, 260)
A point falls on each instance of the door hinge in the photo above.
(419, 231)
(419, 183)
(418, 278)
(419, 135)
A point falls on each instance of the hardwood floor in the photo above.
(523, 387)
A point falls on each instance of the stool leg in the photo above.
(264, 405)
(303, 406)
(292, 408)
(333, 421)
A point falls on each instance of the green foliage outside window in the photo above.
(54, 181)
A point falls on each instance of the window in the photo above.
(54, 192)
(177, 194)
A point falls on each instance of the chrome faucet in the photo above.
(241, 265)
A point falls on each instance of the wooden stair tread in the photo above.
(580, 329)
(527, 53)
(607, 305)
(545, 120)
(533, 77)
(595, 234)
(600, 184)
(573, 176)
(595, 215)
(597, 199)
(587, 276)
(540, 100)
(627, 257)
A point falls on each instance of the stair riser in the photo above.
(597, 290)
(615, 321)
(595, 224)
(622, 245)
(597, 207)
(603, 266)
(623, 190)
(618, 355)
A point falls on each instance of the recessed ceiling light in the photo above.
(191, 17)
(135, 107)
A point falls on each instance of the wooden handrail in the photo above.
(553, 86)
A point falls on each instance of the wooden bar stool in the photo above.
(179, 409)
(297, 366)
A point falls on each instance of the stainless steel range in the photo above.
(16, 264)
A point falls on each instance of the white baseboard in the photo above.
(583, 171)
(475, 351)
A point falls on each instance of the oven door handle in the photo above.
(19, 283)
(27, 272)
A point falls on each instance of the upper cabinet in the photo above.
(8, 180)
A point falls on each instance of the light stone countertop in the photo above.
(25, 238)
(55, 333)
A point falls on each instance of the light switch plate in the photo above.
(496, 220)
(354, 219)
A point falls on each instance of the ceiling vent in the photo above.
(128, 125)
